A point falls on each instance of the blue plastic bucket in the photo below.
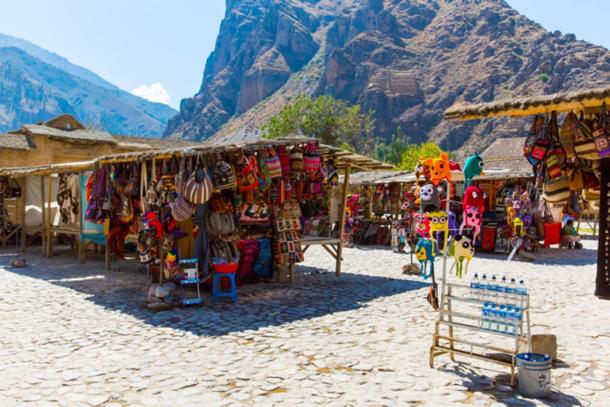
(534, 374)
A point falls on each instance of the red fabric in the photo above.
(552, 233)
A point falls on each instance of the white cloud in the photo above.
(155, 92)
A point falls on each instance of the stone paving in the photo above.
(75, 335)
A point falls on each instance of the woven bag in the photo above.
(274, 166)
(284, 156)
(567, 136)
(181, 209)
(311, 158)
(556, 190)
(198, 188)
(296, 161)
(584, 144)
(600, 135)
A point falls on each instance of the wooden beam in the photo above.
(24, 192)
(43, 225)
(49, 220)
(342, 220)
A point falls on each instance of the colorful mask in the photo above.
(422, 225)
(472, 220)
(425, 252)
(463, 249)
(439, 227)
(473, 196)
(473, 166)
(439, 169)
(429, 197)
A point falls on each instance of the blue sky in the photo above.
(160, 47)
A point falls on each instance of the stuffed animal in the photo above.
(429, 198)
(439, 228)
(473, 196)
(473, 166)
(472, 220)
(439, 169)
(463, 249)
(422, 169)
(453, 226)
(425, 253)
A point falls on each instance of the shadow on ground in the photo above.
(316, 293)
(499, 388)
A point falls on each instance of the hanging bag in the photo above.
(198, 188)
(530, 143)
(296, 161)
(567, 135)
(575, 179)
(223, 175)
(284, 156)
(274, 166)
(132, 188)
(555, 156)
(584, 144)
(311, 158)
(247, 172)
(557, 190)
(600, 135)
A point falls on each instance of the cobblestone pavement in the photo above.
(75, 335)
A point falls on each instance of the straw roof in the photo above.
(15, 141)
(380, 177)
(511, 147)
(148, 143)
(525, 106)
(506, 168)
(341, 157)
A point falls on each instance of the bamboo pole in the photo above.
(342, 220)
(81, 249)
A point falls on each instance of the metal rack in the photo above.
(446, 342)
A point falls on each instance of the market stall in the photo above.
(243, 211)
(572, 151)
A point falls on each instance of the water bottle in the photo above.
(493, 289)
(485, 316)
(483, 288)
(502, 322)
(502, 291)
(510, 322)
(517, 316)
(511, 292)
(522, 292)
(474, 286)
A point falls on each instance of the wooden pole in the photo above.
(342, 220)
(81, 249)
(602, 281)
(43, 225)
(49, 220)
(24, 192)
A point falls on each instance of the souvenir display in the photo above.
(463, 250)
(473, 166)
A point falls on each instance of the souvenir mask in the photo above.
(472, 220)
(473, 166)
(429, 197)
(439, 169)
(473, 196)
(463, 249)
(439, 227)
(424, 252)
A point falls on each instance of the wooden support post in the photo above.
(49, 220)
(81, 248)
(342, 220)
(24, 192)
(602, 281)
(43, 225)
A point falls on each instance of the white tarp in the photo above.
(33, 200)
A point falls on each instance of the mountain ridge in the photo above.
(406, 60)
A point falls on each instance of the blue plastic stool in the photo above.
(217, 292)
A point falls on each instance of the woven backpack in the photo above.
(198, 188)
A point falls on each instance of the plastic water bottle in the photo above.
(502, 291)
(502, 318)
(493, 289)
(510, 322)
(474, 286)
(522, 292)
(517, 316)
(511, 291)
(483, 288)
(485, 322)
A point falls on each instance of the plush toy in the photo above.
(151, 221)
(422, 169)
(425, 252)
(473, 166)
(463, 249)
(439, 169)
(453, 226)
(429, 198)
(472, 219)
(473, 196)
(422, 225)
(439, 228)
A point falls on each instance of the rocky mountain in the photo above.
(406, 60)
(36, 85)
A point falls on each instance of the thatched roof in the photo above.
(149, 143)
(15, 141)
(525, 106)
(341, 157)
(380, 177)
(506, 168)
(511, 147)
(17, 172)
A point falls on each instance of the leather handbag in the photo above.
(198, 188)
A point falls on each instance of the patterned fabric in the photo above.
(288, 248)
(198, 188)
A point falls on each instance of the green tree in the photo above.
(331, 121)
(392, 152)
(414, 152)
